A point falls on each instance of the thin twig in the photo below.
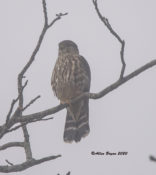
(45, 12)
(45, 28)
(58, 17)
(16, 127)
(112, 31)
(26, 123)
(31, 102)
(11, 164)
(11, 109)
(152, 158)
(122, 59)
(14, 101)
(27, 164)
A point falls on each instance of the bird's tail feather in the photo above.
(77, 121)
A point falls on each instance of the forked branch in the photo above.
(11, 118)
(114, 33)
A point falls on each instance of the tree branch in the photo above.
(25, 123)
(11, 109)
(14, 102)
(31, 102)
(40, 115)
(11, 121)
(25, 165)
(9, 162)
(107, 90)
(45, 12)
(152, 158)
(58, 17)
(112, 31)
(25, 68)
(11, 144)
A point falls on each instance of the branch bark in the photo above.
(11, 144)
(26, 165)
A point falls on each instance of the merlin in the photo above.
(71, 78)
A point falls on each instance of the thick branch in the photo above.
(42, 114)
(25, 165)
(124, 80)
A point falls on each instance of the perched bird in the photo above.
(70, 78)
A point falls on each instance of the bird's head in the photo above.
(68, 47)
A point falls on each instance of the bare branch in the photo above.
(12, 144)
(45, 12)
(45, 28)
(25, 123)
(122, 59)
(14, 102)
(11, 109)
(42, 114)
(25, 165)
(112, 31)
(31, 102)
(15, 128)
(9, 162)
(25, 68)
(152, 158)
(27, 146)
(58, 17)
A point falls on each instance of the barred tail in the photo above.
(77, 121)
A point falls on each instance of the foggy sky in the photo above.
(124, 120)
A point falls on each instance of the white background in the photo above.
(124, 120)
